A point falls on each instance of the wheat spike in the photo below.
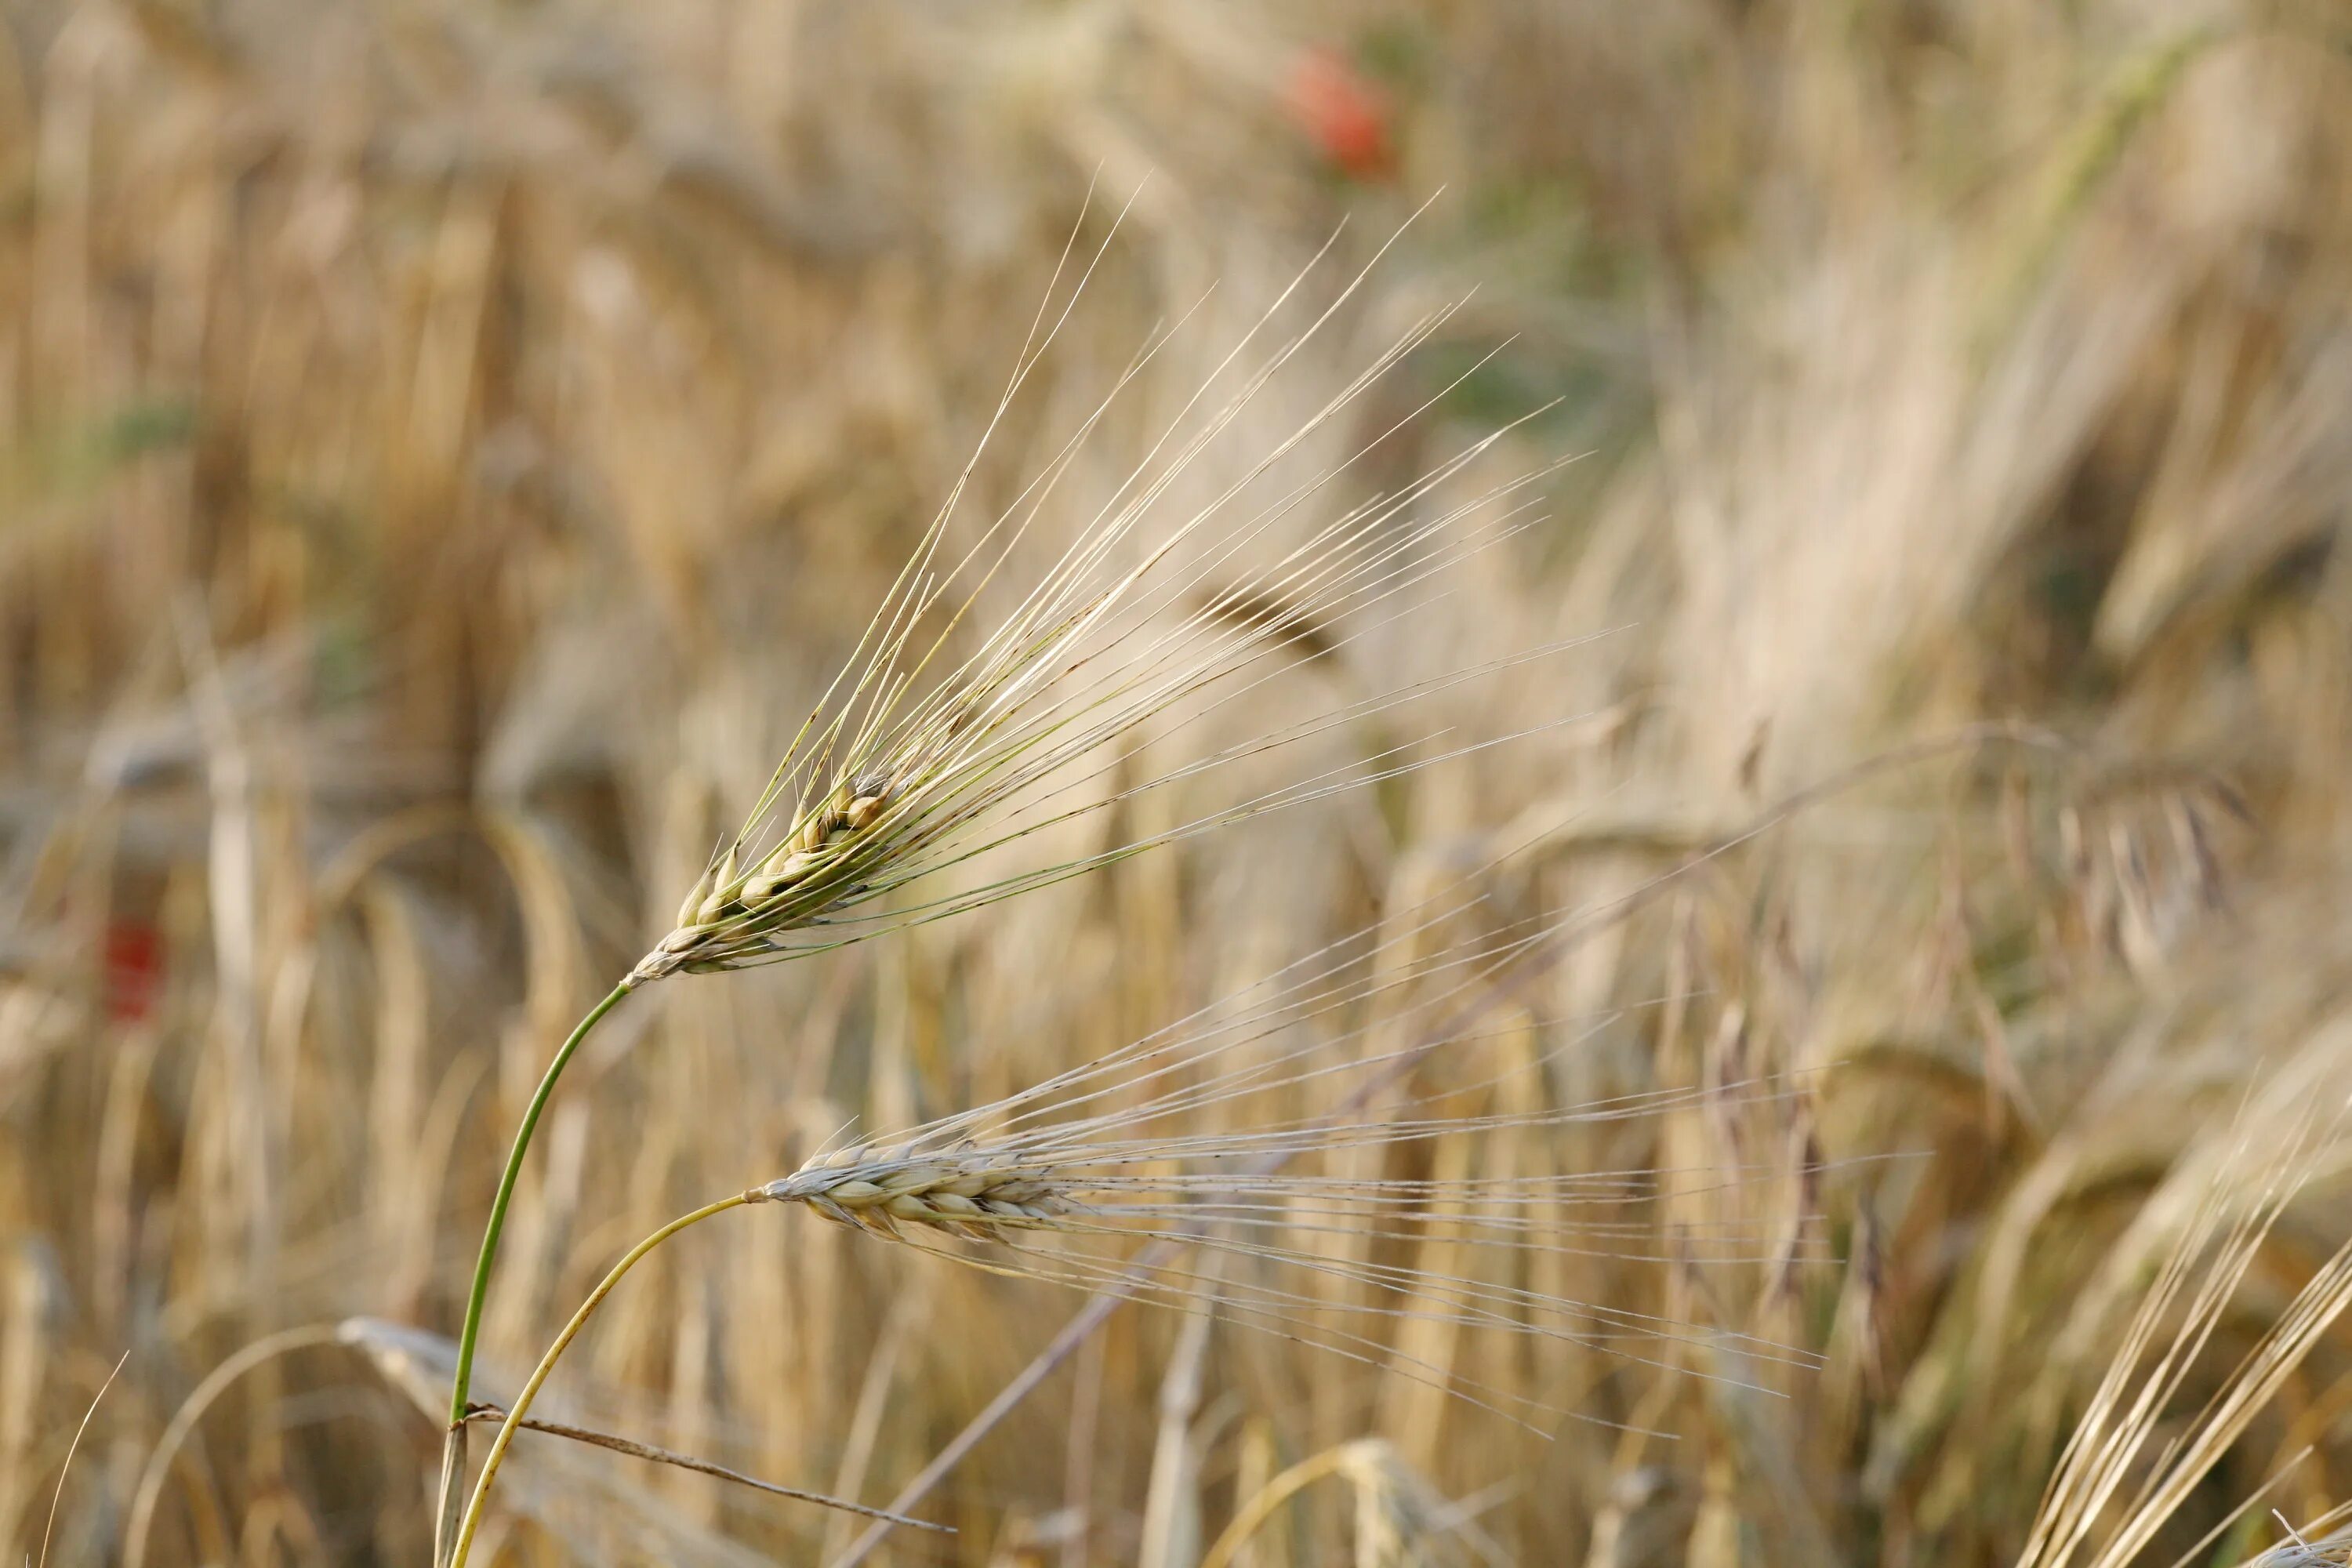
(914, 762)
(1063, 1181)
(967, 1189)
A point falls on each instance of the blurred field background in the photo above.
(443, 449)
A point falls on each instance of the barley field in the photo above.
(1559, 782)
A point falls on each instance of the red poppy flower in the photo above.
(134, 969)
(1345, 115)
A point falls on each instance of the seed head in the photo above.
(824, 862)
(939, 742)
(966, 1188)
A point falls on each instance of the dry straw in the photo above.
(2116, 1487)
(920, 757)
(2000, 375)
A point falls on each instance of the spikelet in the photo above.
(969, 1189)
(732, 912)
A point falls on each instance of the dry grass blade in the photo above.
(670, 1457)
(2246, 1196)
(176, 1432)
(49, 1528)
(1398, 1519)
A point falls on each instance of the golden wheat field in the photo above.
(1561, 783)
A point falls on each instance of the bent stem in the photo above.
(521, 1407)
(453, 1444)
(158, 1472)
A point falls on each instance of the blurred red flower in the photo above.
(1346, 116)
(134, 969)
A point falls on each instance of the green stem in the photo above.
(522, 1404)
(453, 1457)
